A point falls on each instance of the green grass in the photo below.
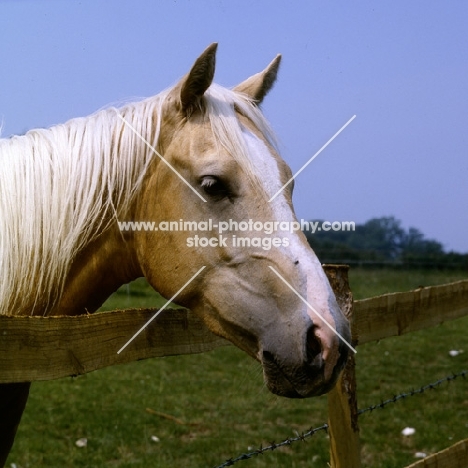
(366, 282)
(221, 400)
(136, 294)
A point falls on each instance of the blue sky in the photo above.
(401, 67)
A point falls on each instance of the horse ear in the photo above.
(257, 86)
(198, 79)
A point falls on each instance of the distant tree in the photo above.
(384, 236)
(414, 240)
(383, 241)
(415, 243)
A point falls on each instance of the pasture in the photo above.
(206, 408)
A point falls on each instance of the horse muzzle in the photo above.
(312, 373)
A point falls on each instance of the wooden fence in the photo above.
(374, 319)
(37, 348)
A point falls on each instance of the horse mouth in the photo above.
(304, 381)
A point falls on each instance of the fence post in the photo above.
(342, 400)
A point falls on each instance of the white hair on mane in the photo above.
(62, 187)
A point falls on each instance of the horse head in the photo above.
(261, 288)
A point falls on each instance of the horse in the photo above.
(198, 152)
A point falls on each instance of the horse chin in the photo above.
(282, 385)
(302, 382)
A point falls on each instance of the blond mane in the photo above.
(62, 187)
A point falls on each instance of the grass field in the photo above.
(206, 408)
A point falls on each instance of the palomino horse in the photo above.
(197, 152)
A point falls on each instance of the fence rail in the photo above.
(455, 456)
(399, 313)
(46, 348)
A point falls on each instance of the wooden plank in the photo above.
(37, 348)
(45, 348)
(399, 313)
(342, 400)
(455, 456)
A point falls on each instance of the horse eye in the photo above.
(214, 187)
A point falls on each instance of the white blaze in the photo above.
(317, 291)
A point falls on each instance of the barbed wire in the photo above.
(401, 396)
(309, 433)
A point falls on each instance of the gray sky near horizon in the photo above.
(401, 67)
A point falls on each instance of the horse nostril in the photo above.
(268, 357)
(313, 347)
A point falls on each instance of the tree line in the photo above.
(384, 242)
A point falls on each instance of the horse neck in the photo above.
(108, 261)
(78, 240)
(99, 270)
